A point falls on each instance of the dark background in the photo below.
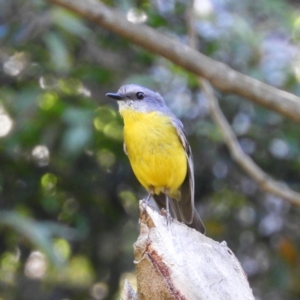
(68, 197)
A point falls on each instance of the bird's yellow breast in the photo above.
(156, 154)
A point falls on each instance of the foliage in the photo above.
(68, 196)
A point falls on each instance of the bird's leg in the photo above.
(167, 204)
(147, 199)
(168, 215)
(151, 192)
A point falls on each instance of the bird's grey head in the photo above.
(138, 98)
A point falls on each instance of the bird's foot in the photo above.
(147, 200)
(167, 215)
(168, 218)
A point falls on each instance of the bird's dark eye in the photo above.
(140, 95)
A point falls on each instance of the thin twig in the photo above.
(266, 183)
(219, 75)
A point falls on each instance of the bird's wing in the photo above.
(184, 208)
(186, 203)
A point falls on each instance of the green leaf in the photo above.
(39, 234)
(58, 52)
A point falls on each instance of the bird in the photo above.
(159, 152)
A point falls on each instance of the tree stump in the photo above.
(174, 261)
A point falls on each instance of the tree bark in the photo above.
(174, 261)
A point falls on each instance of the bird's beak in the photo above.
(114, 96)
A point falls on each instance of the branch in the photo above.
(174, 261)
(265, 181)
(220, 75)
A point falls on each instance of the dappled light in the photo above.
(6, 123)
(41, 155)
(105, 115)
(279, 148)
(15, 64)
(63, 247)
(203, 8)
(136, 16)
(9, 264)
(68, 197)
(247, 216)
(48, 82)
(48, 182)
(36, 265)
(128, 199)
(99, 290)
(84, 91)
(106, 158)
(48, 100)
(113, 130)
(79, 272)
(241, 123)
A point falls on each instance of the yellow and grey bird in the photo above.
(158, 151)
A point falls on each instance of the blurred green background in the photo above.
(68, 197)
